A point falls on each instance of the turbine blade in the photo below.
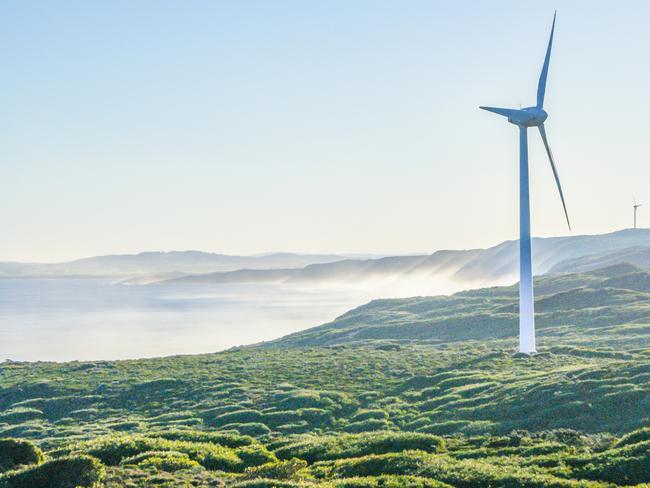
(506, 112)
(542, 132)
(541, 86)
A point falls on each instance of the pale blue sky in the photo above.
(341, 126)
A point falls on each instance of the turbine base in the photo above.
(528, 353)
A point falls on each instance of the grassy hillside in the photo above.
(608, 307)
(426, 393)
(638, 256)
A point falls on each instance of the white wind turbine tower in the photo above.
(636, 205)
(524, 118)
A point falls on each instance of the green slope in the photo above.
(608, 307)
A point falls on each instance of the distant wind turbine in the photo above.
(524, 118)
(636, 205)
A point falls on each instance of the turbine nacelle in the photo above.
(529, 117)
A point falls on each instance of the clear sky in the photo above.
(339, 126)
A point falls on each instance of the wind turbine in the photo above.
(636, 205)
(525, 118)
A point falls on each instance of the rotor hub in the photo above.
(529, 117)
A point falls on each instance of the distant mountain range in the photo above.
(455, 269)
(638, 256)
(494, 265)
(164, 264)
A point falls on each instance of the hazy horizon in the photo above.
(343, 254)
(91, 319)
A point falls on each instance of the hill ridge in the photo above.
(564, 302)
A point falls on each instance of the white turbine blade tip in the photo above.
(541, 86)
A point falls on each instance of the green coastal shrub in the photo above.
(20, 414)
(467, 473)
(401, 463)
(209, 414)
(343, 400)
(334, 401)
(32, 429)
(58, 407)
(280, 470)
(134, 460)
(311, 416)
(254, 429)
(254, 455)
(629, 465)
(280, 417)
(369, 414)
(238, 416)
(296, 399)
(126, 426)
(113, 449)
(316, 416)
(66, 472)
(269, 483)
(634, 437)
(16, 452)
(444, 428)
(294, 428)
(540, 449)
(222, 438)
(156, 386)
(169, 461)
(388, 482)
(314, 449)
(367, 425)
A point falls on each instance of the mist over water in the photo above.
(67, 319)
(90, 319)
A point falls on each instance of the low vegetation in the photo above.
(427, 394)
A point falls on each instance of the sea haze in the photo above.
(67, 318)
(156, 304)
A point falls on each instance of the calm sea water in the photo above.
(67, 319)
